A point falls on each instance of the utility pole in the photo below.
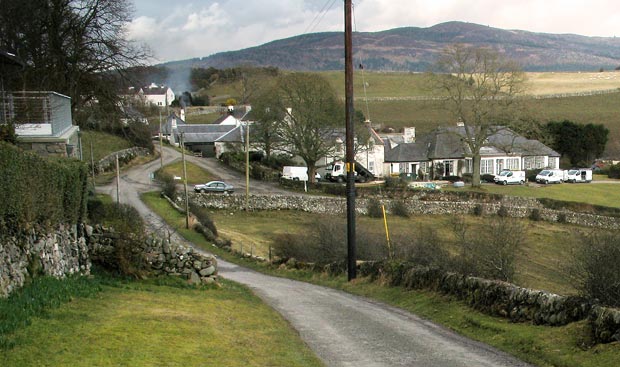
(118, 183)
(185, 183)
(247, 166)
(92, 165)
(350, 156)
(161, 149)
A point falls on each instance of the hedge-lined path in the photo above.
(342, 329)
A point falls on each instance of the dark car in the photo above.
(215, 186)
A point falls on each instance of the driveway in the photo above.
(342, 329)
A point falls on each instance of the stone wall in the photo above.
(605, 324)
(161, 256)
(417, 204)
(36, 252)
(108, 163)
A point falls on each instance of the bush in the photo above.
(535, 215)
(400, 208)
(487, 178)
(423, 247)
(204, 218)
(374, 208)
(562, 218)
(167, 183)
(614, 171)
(530, 175)
(452, 179)
(596, 266)
(478, 211)
(502, 212)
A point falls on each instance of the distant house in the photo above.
(442, 153)
(211, 140)
(157, 95)
(43, 122)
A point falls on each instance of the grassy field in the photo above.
(544, 346)
(195, 174)
(160, 322)
(102, 144)
(605, 194)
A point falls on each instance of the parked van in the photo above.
(548, 176)
(508, 177)
(295, 173)
(579, 175)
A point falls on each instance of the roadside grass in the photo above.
(161, 322)
(102, 144)
(195, 174)
(565, 346)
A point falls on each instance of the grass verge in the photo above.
(160, 322)
(543, 346)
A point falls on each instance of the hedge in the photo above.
(36, 190)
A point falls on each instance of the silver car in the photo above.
(215, 186)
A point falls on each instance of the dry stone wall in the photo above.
(108, 163)
(38, 252)
(161, 256)
(420, 204)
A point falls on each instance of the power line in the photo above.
(319, 16)
(361, 68)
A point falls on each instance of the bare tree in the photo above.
(312, 112)
(266, 129)
(70, 46)
(480, 88)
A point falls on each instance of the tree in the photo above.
(312, 112)
(479, 88)
(70, 46)
(580, 143)
(265, 131)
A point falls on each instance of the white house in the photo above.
(443, 153)
(158, 95)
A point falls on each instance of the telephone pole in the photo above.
(350, 156)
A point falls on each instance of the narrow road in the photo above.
(342, 329)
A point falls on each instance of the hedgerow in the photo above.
(41, 191)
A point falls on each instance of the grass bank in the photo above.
(159, 322)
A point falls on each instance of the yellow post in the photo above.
(387, 234)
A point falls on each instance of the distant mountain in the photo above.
(415, 49)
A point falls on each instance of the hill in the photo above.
(416, 49)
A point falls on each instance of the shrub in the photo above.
(535, 215)
(596, 266)
(478, 211)
(614, 171)
(204, 218)
(502, 212)
(167, 183)
(452, 179)
(400, 208)
(395, 183)
(422, 247)
(562, 218)
(487, 178)
(374, 208)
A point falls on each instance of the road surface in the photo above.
(342, 329)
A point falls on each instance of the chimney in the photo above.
(183, 114)
(409, 134)
(231, 110)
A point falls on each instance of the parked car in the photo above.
(215, 186)
(548, 176)
(508, 177)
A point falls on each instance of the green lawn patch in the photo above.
(195, 174)
(103, 144)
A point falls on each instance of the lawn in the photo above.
(195, 174)
(604, 194)
(147, 323)
(102, 144)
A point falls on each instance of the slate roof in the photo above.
(209, 133)
(447, 143)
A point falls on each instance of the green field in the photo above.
(102, 144)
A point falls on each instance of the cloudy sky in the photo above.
(182, 29)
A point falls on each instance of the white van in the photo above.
(579, 175)
(508, 177)
(295, 173)
(548, 176)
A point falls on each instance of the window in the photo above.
(486, 166)
(512, 164)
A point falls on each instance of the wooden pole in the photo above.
(185, 183)
(349, 134)
(118, 182)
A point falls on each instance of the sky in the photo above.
(183, 29)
